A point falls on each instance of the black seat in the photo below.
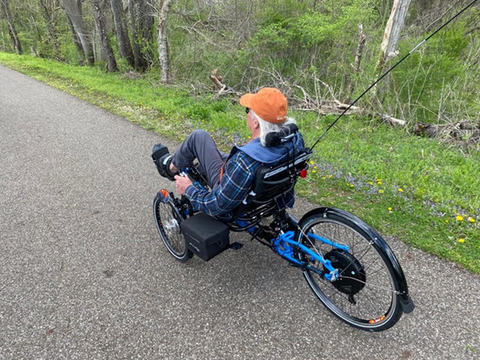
(270, 188)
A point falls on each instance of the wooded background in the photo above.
(321, 53)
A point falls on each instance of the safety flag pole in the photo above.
(393, 67)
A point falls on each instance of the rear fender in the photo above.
(385, 251)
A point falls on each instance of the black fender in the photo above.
(379, 242)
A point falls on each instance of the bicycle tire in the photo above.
(369, 298)
(167, 219)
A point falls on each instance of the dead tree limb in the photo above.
(392, 121)
(462, 131)
(393, 29)
(223, 89)
(362, 38)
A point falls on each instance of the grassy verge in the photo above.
(413, 188)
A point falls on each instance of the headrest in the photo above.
(285, 134)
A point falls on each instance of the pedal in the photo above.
(236, 246)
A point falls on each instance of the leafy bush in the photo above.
(432, 75)
(298, 40)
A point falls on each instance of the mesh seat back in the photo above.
(272, 184)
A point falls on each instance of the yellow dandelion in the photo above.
(312, 162)
(351, 185)
(379, 182)
(459, 218)
(314, 171)
(315, 167)
(461, 241)
(446, 221)
(472, 220)
(390, 209)
(400, 189)
(324, 178)
(370, 182)
(381, 191)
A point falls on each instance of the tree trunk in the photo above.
(362, 38)
(137, 54)
(76, 40)
(163, 56)
(146, 19)
(393, 29)
(141, 21)
(389, 45)
(121, 31)
(51, 28)
(4, 45)
(102, 33)
(11, 27)
(73, 10)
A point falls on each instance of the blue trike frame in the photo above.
(285, 246)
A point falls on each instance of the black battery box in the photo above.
(206, 236)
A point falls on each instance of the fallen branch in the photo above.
(331, 106)
(463, 131)
(392, 121)
(324, 107)
(217, 79)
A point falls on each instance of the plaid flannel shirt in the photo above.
(235, 185)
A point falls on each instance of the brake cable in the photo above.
(393, 67)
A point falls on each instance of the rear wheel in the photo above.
(168, 218)
(365, 295)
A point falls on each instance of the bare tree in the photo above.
(123, 41)
(5, 9)
(389, 45)
(393, 29)
(102, 32)
(73, 10)
(163, 56)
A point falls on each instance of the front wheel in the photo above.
(366, 293)
(168, 218)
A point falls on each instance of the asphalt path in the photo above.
(83, 274)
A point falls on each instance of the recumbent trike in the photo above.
(346, 263)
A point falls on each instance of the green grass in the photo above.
(405, 186)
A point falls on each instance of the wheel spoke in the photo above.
(168, 220)
(364, 295)
(368, 284)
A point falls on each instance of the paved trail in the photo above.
(83, 274)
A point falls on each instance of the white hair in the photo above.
(268, 127)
